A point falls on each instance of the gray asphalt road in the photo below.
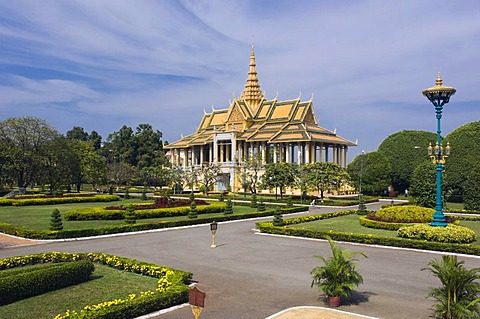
(253, 276)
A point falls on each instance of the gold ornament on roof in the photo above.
(252, 94)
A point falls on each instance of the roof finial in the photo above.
(252, 94)
(439, 80)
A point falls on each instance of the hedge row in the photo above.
(104, 214)
(37, 281)
(75, 233)
(58, 200)
(174, 282)
(366, 222)
(267, 227)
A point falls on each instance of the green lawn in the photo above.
(350, 224)
(107, 284)
(38, 216)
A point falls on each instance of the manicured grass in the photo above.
(107, 284)
(38, 217)
(350, 224)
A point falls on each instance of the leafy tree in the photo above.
(90, 167)
(471, 194)
(78, 133)
(120, 173)
(459, 295)
(58, 165)
(208, 174)
(279, 176)
(374, 169)
(406, 150)
(464, 156)
(23, 140)
(324, 176)
(423, 185)
(56, 220)
(253, 165)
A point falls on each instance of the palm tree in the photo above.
(459, 296)
(338, 276)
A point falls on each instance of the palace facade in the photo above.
(286, 131)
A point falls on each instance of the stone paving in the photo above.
(316, 313)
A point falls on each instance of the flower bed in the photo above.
(172, 284)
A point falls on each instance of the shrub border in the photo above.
(175, 293)
(267, 227)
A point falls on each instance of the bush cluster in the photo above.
(31, 282)
(104, 214)
(403, 214)
(160, 202)
(57, 200)
(448, 234)
(267, 227)
(173, 289)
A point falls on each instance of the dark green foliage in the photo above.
(459, 295)
(19, 286)
(323, 176)
(374, 170)
(261, 206)
(144, 194)
(405, 150)
(110, 191)
(471, 193)
(338, 276)
(228, 208)
(279, 176)
(289, 201)
(193, 210)
(192, 196)
(127, 193)
(277, 218)
(221, 197)
(423, 186)
(56, 220)
(253, 202)
(130, 217)
(464, 156)
(362, 209)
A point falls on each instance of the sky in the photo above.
(102, 64)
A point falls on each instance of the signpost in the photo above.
(196, 300)
(213, 229)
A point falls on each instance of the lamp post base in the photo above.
(438, 220)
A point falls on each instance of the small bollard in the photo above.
(213, 229)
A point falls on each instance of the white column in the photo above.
(345, 156)
(288, 156)
(308, 146)
(299, 153)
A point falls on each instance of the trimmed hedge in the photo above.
(37, 281)
(58, 200)
(366, 222)
(173, 289)
(75, 233)
(448, 234)
(403, 214)
(267, 227)
(106, 214)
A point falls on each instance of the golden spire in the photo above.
(252, 93)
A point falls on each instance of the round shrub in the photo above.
(403, 214)
(449, 234)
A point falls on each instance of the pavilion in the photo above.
(286, 131)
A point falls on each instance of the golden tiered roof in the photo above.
(255, 119)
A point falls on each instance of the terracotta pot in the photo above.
(334, 301)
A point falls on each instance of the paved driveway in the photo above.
(253, 276)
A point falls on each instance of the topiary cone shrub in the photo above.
(261, 206)
(127, 193)
(130, 217)
(56, 220)
(229, 207)
(277, 218)
(253, 202)
(193, 210)
(192, 196)
(289, 201)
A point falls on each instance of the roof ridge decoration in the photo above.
(252, 94)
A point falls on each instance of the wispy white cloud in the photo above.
(163, 62)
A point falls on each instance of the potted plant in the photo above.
(338, 276)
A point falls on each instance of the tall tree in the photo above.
(58, 165)
(90, 167)
(464, 157)
(324, 176)
(249, 174)
(373, 169)
(406, 150)
(24, 139)
(208, 174)
(423, 185)
(279, 176)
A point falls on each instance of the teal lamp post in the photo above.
(439, 95)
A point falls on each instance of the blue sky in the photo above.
(101, 64)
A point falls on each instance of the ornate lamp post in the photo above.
(439, 95)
